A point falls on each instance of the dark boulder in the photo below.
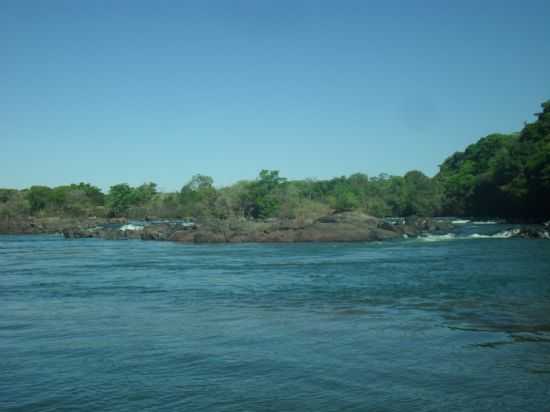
(183, 236)
(209, 237)
(78, 233)
(533, 232)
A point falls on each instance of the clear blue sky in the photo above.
(134, 91)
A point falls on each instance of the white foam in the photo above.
(478, 236)
(505, 234)
(486, 222)
(460, 221)
(131, 227)
(438, 238)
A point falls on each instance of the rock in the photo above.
(337, 227)
(112, 234)
(184, 236)
(533, 232)
(387, 226)
(383, 234)
(277, 236)
(156, 232)
(77, 233)
(350, 218)
(32, 225)
(209, 237)
(414, 226)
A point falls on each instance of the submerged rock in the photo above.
(78, 233)
(524, 232)
(533, 232)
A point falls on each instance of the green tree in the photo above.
(502, 175)
(343, 199)
(144, 193)
(198, 196)
(39, 198)
(422, 196)
(7, 194)
(13, 204)
(264, 197)
(119, 199)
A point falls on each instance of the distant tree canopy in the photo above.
(122, 197)
(499, 176)
(198, 196)
(264, 196)
(70, 199)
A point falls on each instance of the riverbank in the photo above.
(341, 227)
(338, 227)
(45, 225)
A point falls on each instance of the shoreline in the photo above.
(338, 227)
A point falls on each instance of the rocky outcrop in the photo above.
(183, 236)
(429, 225)
(533, 232)
(34, 225)
(340, 227)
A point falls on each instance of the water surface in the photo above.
(454, 324)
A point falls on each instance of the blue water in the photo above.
(454, 325)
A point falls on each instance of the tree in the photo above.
(263, 197)
(13, 204)
(502, 175)
(119, 199)
(198, 196)
(421, 195)
(7, 194)
(144, 193)
(39, 198)
(343, 199)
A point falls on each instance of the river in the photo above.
(455, 323)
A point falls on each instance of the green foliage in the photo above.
(263, 199)
(144, 193)
(39, 197)
(342, 200)
(198, 196)
(73, 200)
(422, 197)
(123, 200)
(6, 195)
(119, 199)
(502, 175)
(13, 204)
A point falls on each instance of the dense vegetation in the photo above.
(499, 176)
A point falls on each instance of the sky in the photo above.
(135, 91)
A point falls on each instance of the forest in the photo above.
(502, 175)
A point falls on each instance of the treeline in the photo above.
(268, 196)
(499, 176)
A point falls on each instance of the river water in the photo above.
(455, 323)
